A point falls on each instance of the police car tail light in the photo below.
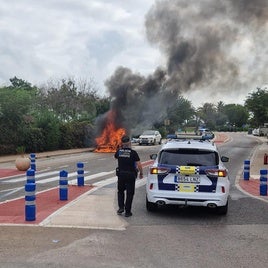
(159, 170)
(216, 172)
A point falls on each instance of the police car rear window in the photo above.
(189, 157)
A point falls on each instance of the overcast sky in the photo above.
(48, 39)
(55, 39)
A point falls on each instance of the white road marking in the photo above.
(11, 191)
(37, 176)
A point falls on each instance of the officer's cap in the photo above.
(125, 139)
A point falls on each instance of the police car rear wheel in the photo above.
(222, 210)
(150, 206)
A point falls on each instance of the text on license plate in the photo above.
(186, 179)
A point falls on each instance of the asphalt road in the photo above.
(171, 237)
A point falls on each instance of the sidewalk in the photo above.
(252, 186)
(7, 163)
(11, 158)
(94, 206)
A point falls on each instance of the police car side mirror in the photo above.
(225, 159)
(153, 156)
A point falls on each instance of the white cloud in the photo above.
(41, 40)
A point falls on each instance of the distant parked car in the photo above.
(135, 140)
(256, 132)
(172, 136)
(203, 131)
(150, 137)
(208, 135)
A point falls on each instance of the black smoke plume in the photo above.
(211, 48)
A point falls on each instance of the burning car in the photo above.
(110, 138)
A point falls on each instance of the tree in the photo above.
(17, 83)
(37, 118)
(179, 114)
(208, 114)
(69, 103)
(221, 118)
(256, 103)
(48, 122)
(16, 104)
(237, 115)
(102, 105)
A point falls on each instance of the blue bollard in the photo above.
(80, 174)
(32, 158)
(30, 173)
(30, 207)
(63, 183)
(246, 169)
(263, 182)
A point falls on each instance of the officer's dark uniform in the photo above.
(126, 173)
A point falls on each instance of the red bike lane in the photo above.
(47, 202)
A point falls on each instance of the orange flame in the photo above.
(110, 138)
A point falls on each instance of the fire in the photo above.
(110, 138)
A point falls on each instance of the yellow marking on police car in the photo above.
(187, 170)
(186, 187)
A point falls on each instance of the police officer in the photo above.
(128, 167)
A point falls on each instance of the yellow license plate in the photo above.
(187, 187)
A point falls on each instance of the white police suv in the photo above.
(188, 171)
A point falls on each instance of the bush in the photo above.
(34, 140)
(6, 149)
(76, 135)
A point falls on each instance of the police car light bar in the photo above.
(188, 137)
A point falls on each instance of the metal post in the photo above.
(263, 182)
(30, 207)
(30, 173)
(246, 169)
(63, 183)
(80, 174)
(32, 158)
